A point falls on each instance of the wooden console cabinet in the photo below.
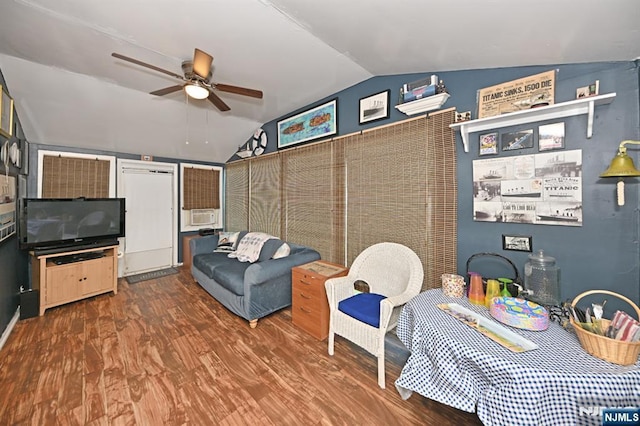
(186, 251)
(61, 283)
(309, 307)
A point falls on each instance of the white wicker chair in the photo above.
(390, 269)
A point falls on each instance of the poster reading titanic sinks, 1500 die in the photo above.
(517, 95)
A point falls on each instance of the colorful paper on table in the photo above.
(499, 334)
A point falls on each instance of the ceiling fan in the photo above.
(197, 80)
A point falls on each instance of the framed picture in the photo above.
(309, 125)
(590, 90)
(517, 140)
(516, 242)
(375, 107)
(551, 136)
(6, 114)
(489, 143)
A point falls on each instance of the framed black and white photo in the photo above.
(516, 242)
(375, 107)
(551, 136)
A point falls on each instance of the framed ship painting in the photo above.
(312, 124)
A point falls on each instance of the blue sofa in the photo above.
(249, 290)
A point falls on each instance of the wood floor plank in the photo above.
(165, 352)
(155, 399)
(95, 407)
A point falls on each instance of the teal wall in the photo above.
(13, 262)
(601, 254)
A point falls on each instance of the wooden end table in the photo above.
(310, 309)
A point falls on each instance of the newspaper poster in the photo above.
(516, 95)
(541, 189)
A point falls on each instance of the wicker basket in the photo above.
(612, 350)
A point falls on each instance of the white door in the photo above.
(149, 190)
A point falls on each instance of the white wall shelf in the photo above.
(550, 112)
(423, 105)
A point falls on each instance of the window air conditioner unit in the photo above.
(204, 216)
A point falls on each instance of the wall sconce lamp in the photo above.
(622, 166)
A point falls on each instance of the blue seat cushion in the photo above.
(231, 276)
(364, 307)
(207, 262)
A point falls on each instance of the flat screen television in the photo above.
(58, 224)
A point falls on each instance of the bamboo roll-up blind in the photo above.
(72, 177)
(442, 196)
(313, 195)
(264, 195)
(201, 188)
(237, 196)
(386, 188)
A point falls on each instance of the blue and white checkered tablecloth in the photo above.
(556, 384)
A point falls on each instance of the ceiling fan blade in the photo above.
(144, 64)
(239, 90)
(202, 63)
(167, 90)
(219, 103)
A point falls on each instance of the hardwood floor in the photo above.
(164, 352)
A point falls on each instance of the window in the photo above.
(200, 197)
(72, 175)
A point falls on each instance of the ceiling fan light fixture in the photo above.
(196, 90)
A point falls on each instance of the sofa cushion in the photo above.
(269, 248)
(208, 262)
(283, 251)
(230, 275)
(227, 240)
(364, 307)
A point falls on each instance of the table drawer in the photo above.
(314, 302)
(308, 285)
(310, 319)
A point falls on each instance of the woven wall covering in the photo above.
(392, 183)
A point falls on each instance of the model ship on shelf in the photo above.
(244, 151)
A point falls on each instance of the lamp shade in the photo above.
(621, 166)
(196, 91)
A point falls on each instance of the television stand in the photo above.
(74, 275)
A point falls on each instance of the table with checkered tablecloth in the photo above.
(556, 384)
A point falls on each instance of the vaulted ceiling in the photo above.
(70, 91)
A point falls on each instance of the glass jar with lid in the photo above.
(542, 279)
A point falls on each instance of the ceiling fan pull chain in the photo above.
(206, 135)
(186, 103)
